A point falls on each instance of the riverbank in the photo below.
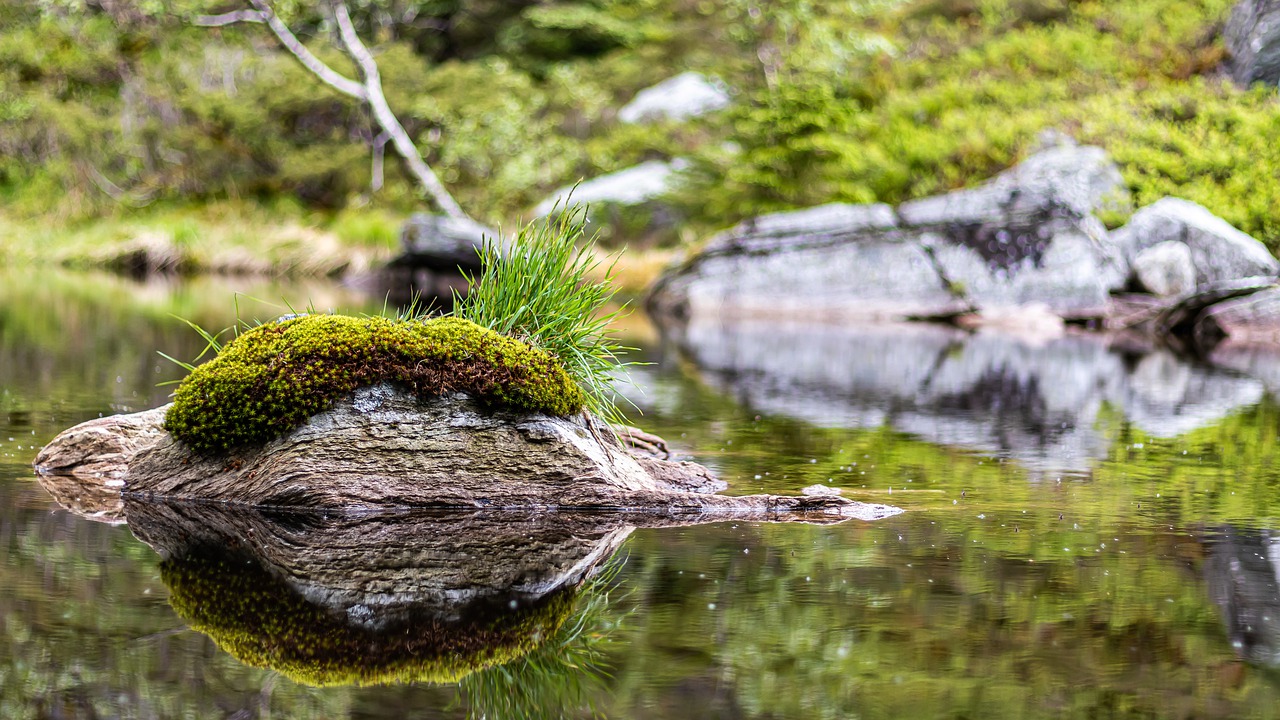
(246, 239)
(225, 238)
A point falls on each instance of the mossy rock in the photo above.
(272, 378)
(258, 618)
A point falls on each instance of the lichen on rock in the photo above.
(270, 379)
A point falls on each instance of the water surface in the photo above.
(1091, 531)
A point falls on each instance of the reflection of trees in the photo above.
(855, 622)
(75, 345)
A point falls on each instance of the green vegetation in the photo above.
(138, 116)
(960, 89)
(538, 290)
(223, 237)
(275, 376)
(260, 620)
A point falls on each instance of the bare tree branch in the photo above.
(383, 114)
(379, 150)
(114, 191)
(327, 75)
(230, 18)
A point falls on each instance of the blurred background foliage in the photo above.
(126, 109)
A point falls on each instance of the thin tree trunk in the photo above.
(327, 75)
(387, 119)
(369, 91)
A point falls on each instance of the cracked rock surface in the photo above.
(385, 449)
(1028, 236)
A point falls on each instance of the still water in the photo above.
(1092, 531)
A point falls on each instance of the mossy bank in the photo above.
(272, 378)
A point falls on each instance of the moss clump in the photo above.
(272, 378)
(256, 617)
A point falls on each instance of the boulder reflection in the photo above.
(1036, 400)
(357, 600)
(1242, 570)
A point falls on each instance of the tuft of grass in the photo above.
(546, 289)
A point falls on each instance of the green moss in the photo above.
(272, 378)
(255, 616)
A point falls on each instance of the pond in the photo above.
(1092, 530)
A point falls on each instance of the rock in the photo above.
(1219, 252)
(384, 449)
(1166, 268)
(1252, 36)
(1253, 319)
(631, 186)
(442, 243)
(625, 205)
(435, 252)
(686, 95)
(103, 447)
(1183, 314)
(1027, 236)
(1033, 324)
(1061, 179)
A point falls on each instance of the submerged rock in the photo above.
(1252, 35)
(686, 95)
(1027, 236)
(1242, 572)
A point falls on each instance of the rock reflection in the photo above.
(1243, 575)
(363, 600)
(1035, 401)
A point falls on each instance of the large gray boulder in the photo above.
(686, 95)
(1219, 252)
(627, 205)
(1026, 237)
(1253, 40)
